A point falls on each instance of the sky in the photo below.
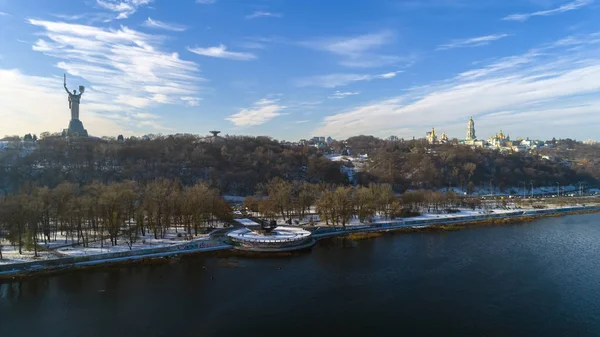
(297, 69)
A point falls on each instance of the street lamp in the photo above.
(524, 187)
(532, 190)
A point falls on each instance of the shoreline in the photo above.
(17, 271)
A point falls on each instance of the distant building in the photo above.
(393, 138)
(215, 138)
(499, 140)
(590, 142)
(329, 140)
(471, 130)
(431, 136)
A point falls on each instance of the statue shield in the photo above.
(81, 89)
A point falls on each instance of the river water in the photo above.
(536, 279)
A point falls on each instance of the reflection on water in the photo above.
(540, 279)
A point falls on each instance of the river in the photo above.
(536, 279)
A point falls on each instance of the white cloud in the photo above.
(220, 51)
(4, 14)
(337, 80)
(261, 14)
(265, 101)
(472, 42)
(163, 25)
(561, 9)
(261, 112)
(205, 2)
(301, 121)
(191, 101)
(352, 45)
(124, 67)
(124, 7)
(357, 51)
(70, 17)
(340, 94)
(528, 94)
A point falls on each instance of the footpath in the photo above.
(26, 268)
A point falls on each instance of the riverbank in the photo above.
(452, 222)
(448, 222)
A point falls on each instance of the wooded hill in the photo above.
(237, 164)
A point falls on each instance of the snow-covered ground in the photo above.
(11, 254)
(356, 161)
(143, 242)
(95, 249)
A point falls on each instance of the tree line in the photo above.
(338, 205)
(105, 212)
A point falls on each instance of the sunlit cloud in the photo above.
(124, 67)
(150, 23)
(261, 112)
(34, 104)
(221, 51)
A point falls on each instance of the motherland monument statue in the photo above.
(75, 125)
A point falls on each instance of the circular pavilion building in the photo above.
(268, 237)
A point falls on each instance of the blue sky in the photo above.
(295, 69)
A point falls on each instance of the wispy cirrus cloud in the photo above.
(205, 2)
(221, 51)
(339, 94)
(191, 100)
(261, 112)
(472, 42)
(150, 23)
(358, 51)
(561, 9)
(126, 68)
(338, 80)
(4, 14)
(547, 86)
(263, 14)
(124, 8)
